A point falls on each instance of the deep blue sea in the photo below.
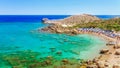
(19, 33)
(37, 18)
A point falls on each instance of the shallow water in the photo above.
(24, 36)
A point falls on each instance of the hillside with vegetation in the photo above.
(111, 24)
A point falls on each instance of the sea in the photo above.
(19, 34)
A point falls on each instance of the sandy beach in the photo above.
(109, 57)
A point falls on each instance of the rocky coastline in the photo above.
(109, 57)
(60, 29)
(65, 25)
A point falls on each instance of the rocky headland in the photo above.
(73, 20)
(65, 25)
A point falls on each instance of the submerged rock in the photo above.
(65, 61)
(49, 57)
(89, 62)
(59, 53)
(104, 51)
(48, 62)
(52, 49)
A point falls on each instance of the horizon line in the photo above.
(50, 14)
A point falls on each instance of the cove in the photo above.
(18, 38)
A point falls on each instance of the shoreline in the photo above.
(105, 60)
(100, 35)
(108, 59)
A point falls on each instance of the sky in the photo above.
(59, 7)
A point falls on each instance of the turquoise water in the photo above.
(24, 36)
